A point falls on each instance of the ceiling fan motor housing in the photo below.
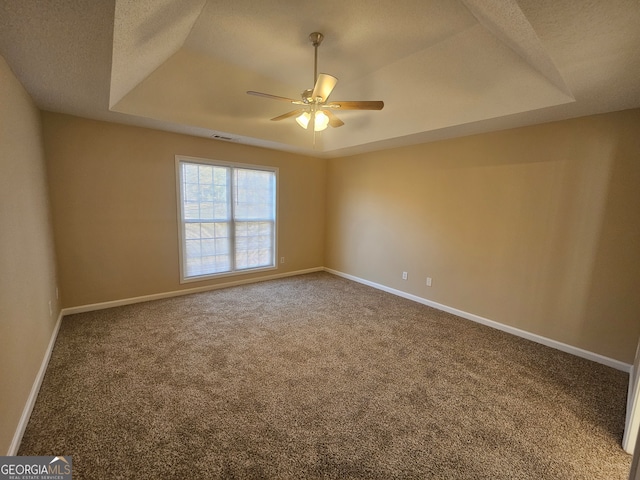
(306, 95)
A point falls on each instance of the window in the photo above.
(227, 216)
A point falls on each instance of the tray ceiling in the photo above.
(443, 68)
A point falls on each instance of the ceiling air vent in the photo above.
(221, 137)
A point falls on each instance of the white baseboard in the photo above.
(33, 395)
(595, 357)
(177, 293)
(28, 408)
(618, 365)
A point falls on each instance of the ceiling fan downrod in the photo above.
(316, 39)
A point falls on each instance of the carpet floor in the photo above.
(319, 377)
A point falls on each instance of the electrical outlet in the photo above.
(281, 259)
(428, 281)
(405, 275)
(50, 309)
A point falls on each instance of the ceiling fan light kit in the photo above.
(321, 120)
(315, 110)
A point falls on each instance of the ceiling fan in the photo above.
(314, 111)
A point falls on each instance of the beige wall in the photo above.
(536, 228)
(27, 264)
(533, 228)
(113, 195)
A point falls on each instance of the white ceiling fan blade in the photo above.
(275, 97)
(293, 113)
(323, 87)
(333, 120)
(357, 105)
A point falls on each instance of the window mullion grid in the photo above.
(274, 259)
(232, 211)
(274, 253)
(184, 216)
(232, 219)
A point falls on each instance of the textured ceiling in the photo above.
(444, 68)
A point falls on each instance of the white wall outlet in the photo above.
(405, 275)
(281, 259)
(50, 309)
(428, 281)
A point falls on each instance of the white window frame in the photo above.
(179, 160)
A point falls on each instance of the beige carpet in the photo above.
(319, 377)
